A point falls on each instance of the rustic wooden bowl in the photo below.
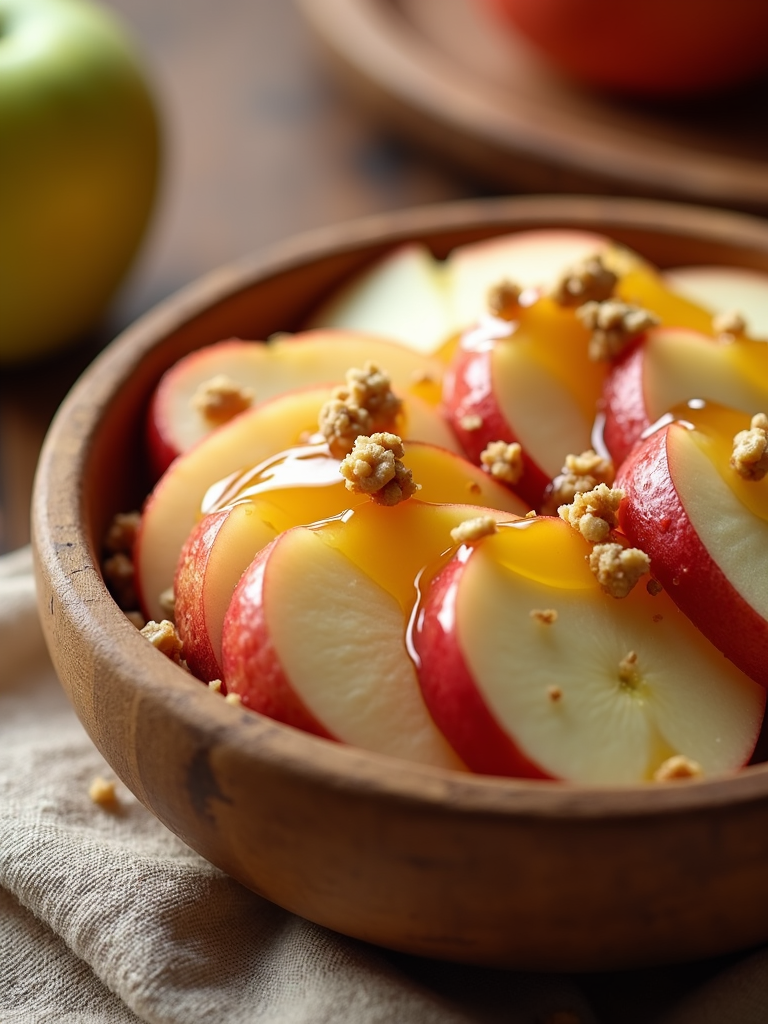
(483, 870)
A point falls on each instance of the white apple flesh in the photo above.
(726, 289)
(705, 531)
(567, 699)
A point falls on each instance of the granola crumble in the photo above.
(221, 399)
(750, 449)
(593, 513)
(373, 467)
(120, 579)
(546, 616)
(503, 299)
(363, 405)
(503, 461)
(102, 792)
(729, 324)
(580, 473)
(678, 767)
(473, 529)
(215, 685)
(234, 698)
(614, 325)
(589, 280)
(121, 534)
(165, 638)
(617, 568)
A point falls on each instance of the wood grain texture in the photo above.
(479, 870)
(449, 78)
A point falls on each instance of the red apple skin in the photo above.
(468, 390)
(654, 519)
(623, 405)
(252, 667)
(449, 691)
(188, 588)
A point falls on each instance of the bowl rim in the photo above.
(64, 463)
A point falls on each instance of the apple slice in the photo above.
(298, 487)
(529, 381)
(403, 295)
(175, 422)
(672, 366)
(723, 289)
(315, 633)
(174, 505)
(705, 529)
(530, 669)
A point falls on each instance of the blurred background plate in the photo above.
(446, 76)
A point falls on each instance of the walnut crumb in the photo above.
(504, 299)
(618, 568)
(221, 399)
(750, 449)
(102, 792)
(678, 767)
(546, 616)
(593, 513)
(580, 473)
(365, 404)
(233, 698)
(164, 637)
(373, 467)
(727, 325)
(589, 280)
(473, 529)
(121, 534)
(503, 461)
(613, 325)
(554, 694)
(215, 685)
(471, 422)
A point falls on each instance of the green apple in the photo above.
(80, 151)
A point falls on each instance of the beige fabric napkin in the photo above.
(108, 918)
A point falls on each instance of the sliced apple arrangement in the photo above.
(445, 569)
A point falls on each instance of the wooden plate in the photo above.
(446, 76)
(538, 875)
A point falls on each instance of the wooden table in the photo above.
(259, 145)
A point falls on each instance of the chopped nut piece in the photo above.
(588, 280)
(546, 616)
(555, 694)
(119, 576)
(215, 685)
(593, 513)
(618, 568)
(102, 792)
(373, 467)
(164, 637)
(341, 424)
(678, 767)
(364, 404)
(220, 399)
(613, 324)
(473, 529)
(750, 449)
(580, 473)
(121, 534)
(503, 461)
(233, 698)
(471, 422)
(532, 514)
(503, 299)
(727, 325)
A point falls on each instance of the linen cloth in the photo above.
(107, 918)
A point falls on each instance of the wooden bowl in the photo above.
(525, 874)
